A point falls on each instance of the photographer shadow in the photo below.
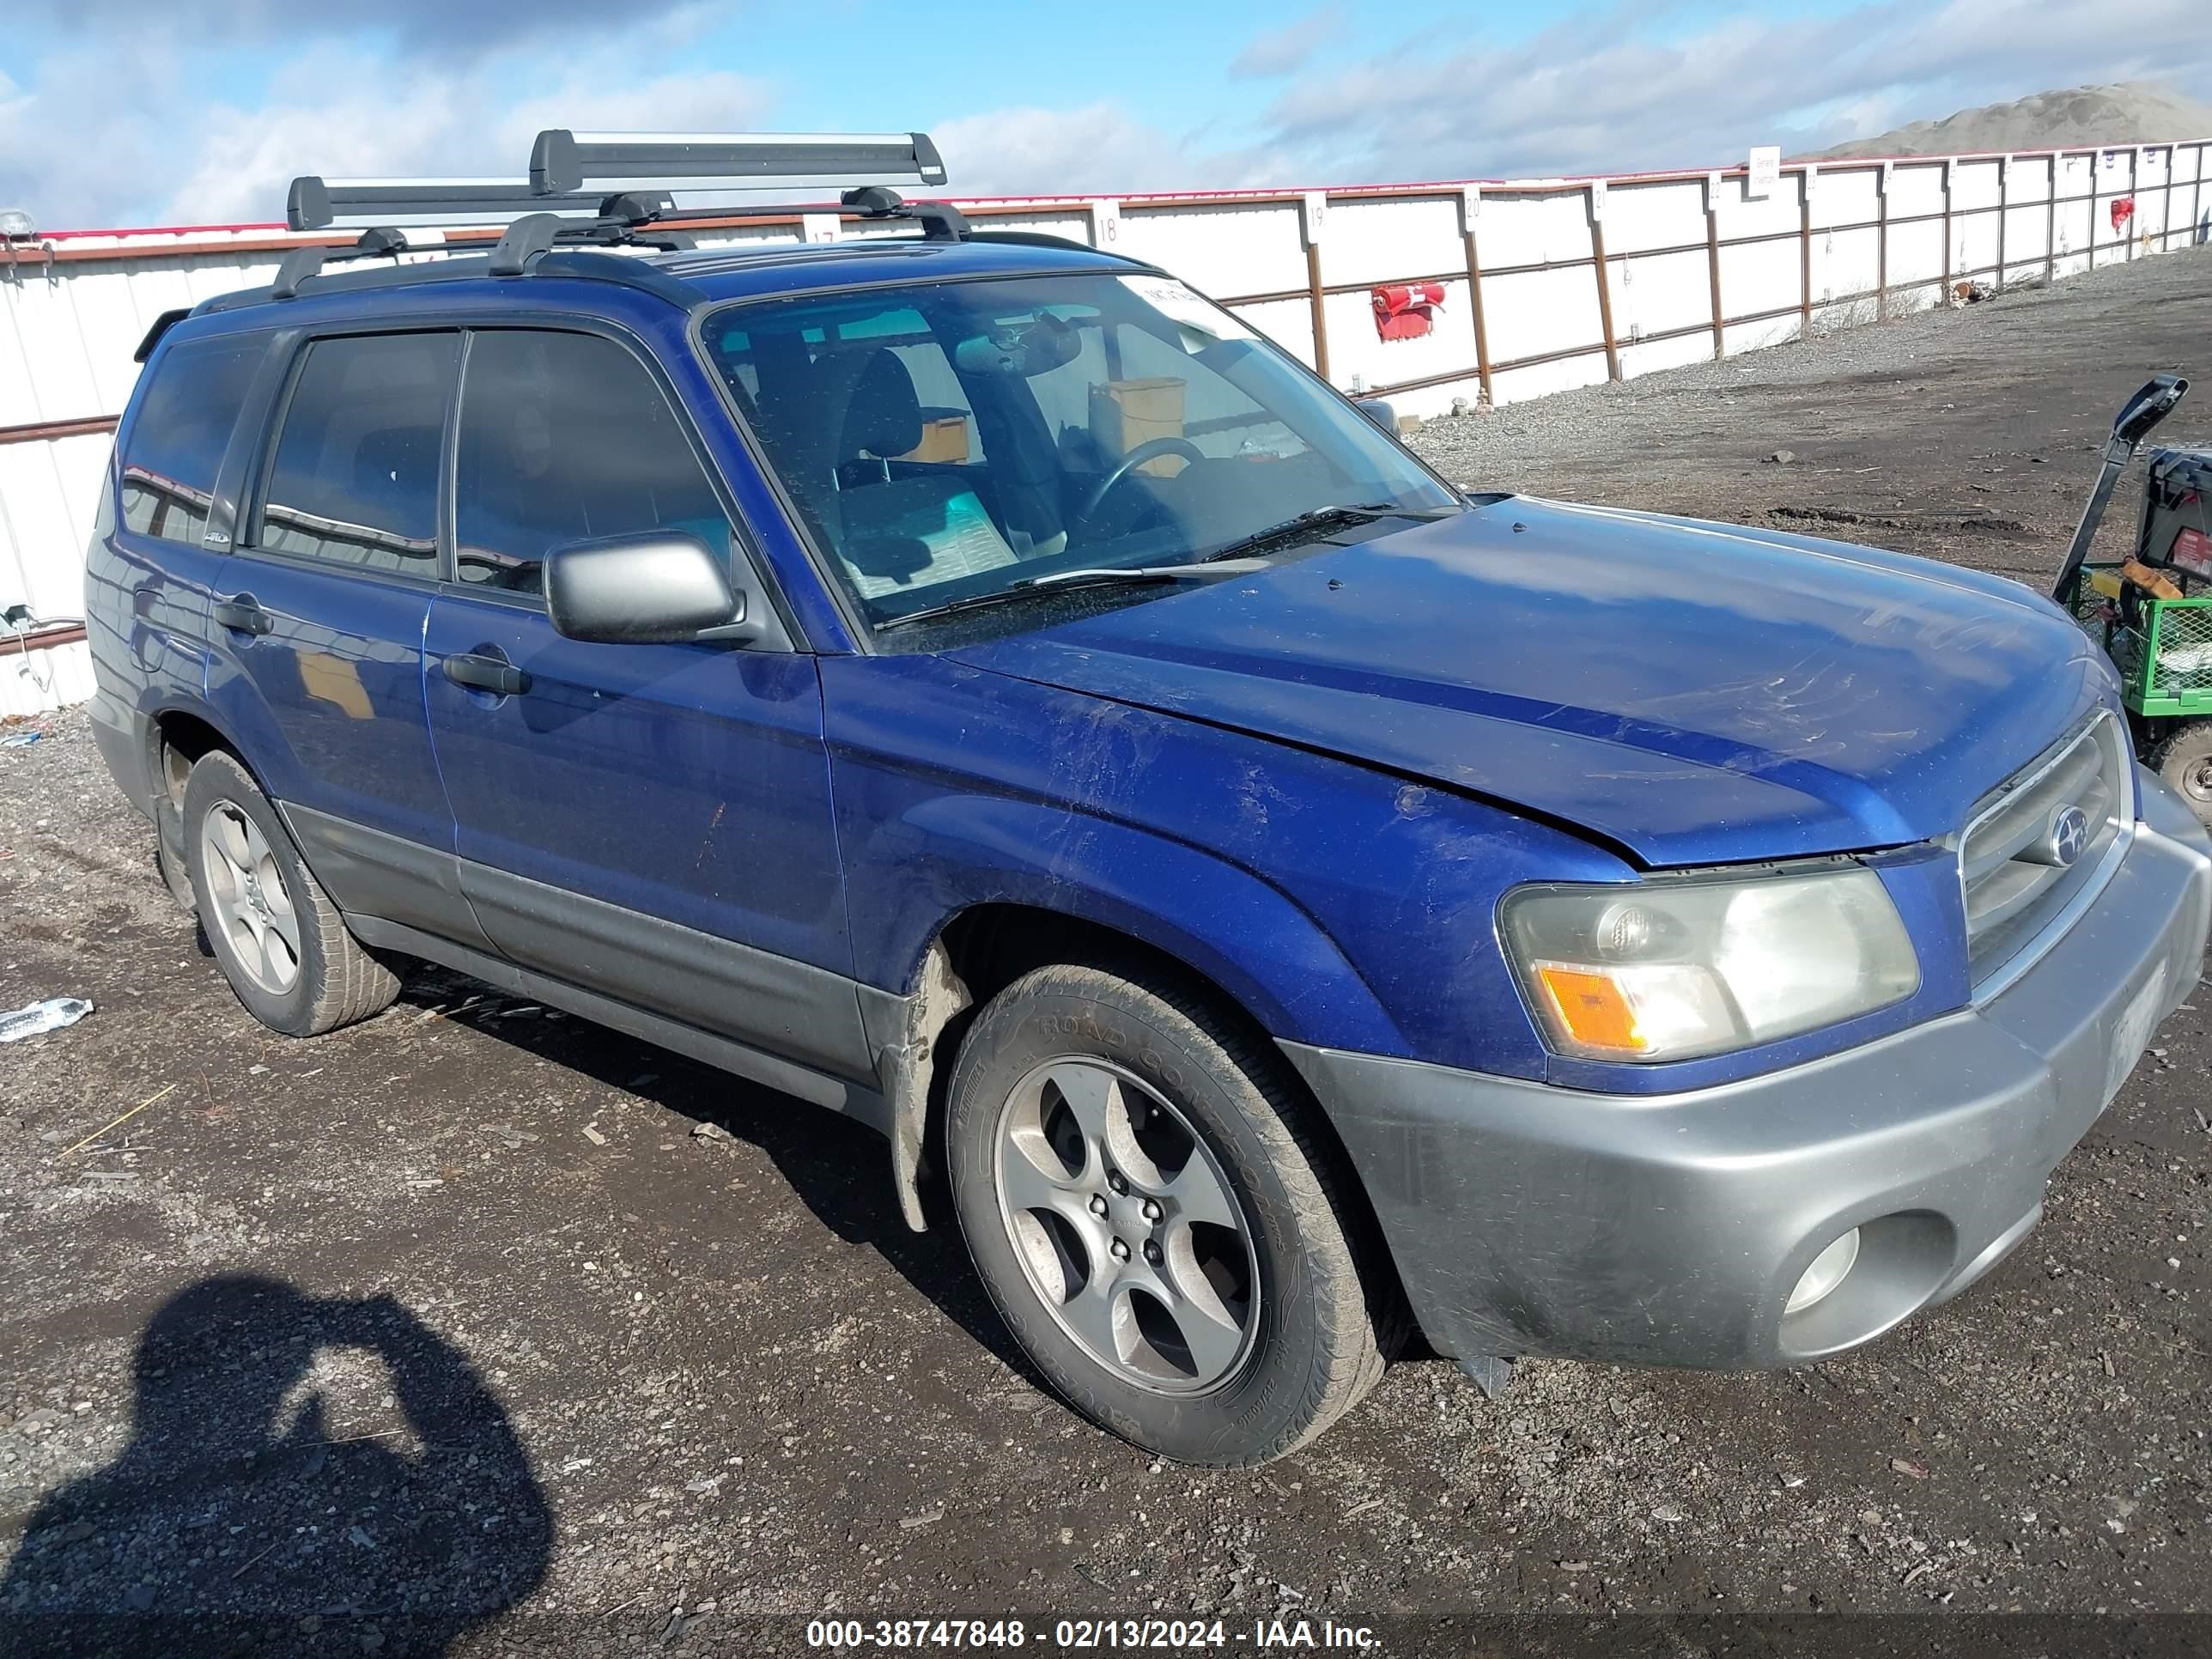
(238, 1520)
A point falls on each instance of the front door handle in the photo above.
(242, 613)
(486, 669)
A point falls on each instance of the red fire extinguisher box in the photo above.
(1407, 311)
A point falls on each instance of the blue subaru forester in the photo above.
(976, 685)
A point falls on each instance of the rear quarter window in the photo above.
(182, 427)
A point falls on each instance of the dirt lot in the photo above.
(474, 1329)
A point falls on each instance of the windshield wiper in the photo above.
(1213, 569)
(1309, 526)
(1236, 559)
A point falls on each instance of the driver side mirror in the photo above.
(656, 587)
(1376, 410)
(2143, 411)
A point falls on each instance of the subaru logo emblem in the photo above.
(2066, 835)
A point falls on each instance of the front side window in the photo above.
(945, 442)
(354, 480)
(563, 438)
(182, 427)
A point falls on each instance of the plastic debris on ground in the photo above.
(19, 739)
(42, 1016)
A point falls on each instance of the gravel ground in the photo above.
(477, 1329)
(1968, 433)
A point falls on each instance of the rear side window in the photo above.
(355, 476)
(565, 437)
(182, 428)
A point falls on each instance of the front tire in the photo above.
(2183, 763)
(279, 940)
(1155, 1221)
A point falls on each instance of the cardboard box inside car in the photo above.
(943, 438)
(1127, 413)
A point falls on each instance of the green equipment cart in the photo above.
(2161, 643)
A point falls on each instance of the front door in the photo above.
(652, 821)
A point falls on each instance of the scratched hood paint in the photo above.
(1694, 693)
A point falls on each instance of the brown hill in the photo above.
(2129, 113)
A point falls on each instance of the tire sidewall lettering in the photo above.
(1140, 1055)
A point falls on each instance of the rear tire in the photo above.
(2183, 763)
(1155, 1221)
(279, 940)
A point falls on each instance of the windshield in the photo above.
(949, 440)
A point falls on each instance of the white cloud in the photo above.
(431, 123)
(167, 155)
(1281, 52)
(123, 128)
(1590, 95)
(1101, 148)
(443, 24)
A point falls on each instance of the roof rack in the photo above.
(616, 190)
(562, 161)
(315, 204)
(303, 263)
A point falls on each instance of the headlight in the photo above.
(1669, 969)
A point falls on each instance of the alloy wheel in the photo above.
(1129, 1231)
(253, 909)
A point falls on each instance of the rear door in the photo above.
(652, 821)
(317, 621)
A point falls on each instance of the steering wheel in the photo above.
(1150, 450)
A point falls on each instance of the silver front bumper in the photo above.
(1670, 1229)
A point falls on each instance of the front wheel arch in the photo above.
(985, 948)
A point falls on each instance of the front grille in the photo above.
(2012, 868)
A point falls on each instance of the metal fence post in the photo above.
(2050, 225)
(2094, 157)
(1805, 177)
(1320, 320)
(2128, 242)
(2004, 213)
(1313, 210)
(1713, 260)
(2165, 213)
(1947, 232)
(1594, 198)
(1881, 244)
(1470, 207)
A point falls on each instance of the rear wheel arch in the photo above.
(176, 740)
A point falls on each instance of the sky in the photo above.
(153, 112)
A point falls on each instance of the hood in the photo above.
(1693, 693)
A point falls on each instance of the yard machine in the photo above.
(2152, 612)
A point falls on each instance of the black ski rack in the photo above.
(612, 162)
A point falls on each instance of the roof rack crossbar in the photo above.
(562, 161)
(317, 203)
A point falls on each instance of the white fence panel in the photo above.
(1853, 241)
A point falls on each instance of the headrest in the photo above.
(883, 418)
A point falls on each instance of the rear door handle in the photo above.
(487, 669)
(242, 613)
